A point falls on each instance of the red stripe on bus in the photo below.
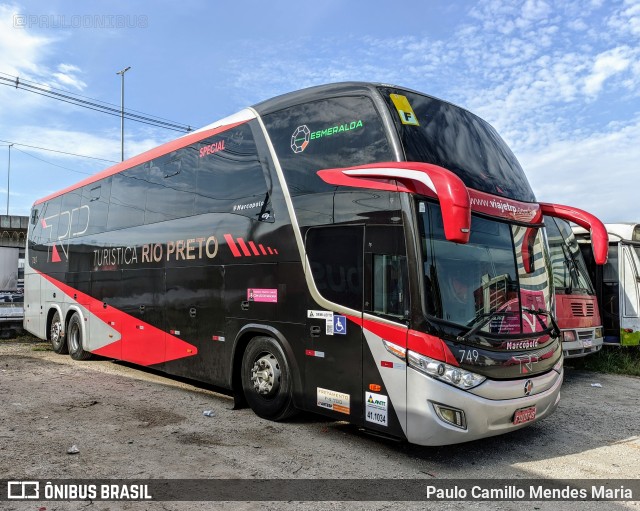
(270, 251)
(243, 247)
(430, 346)
(156, 152)
(424, 344)
(139, 343)
(254, 249)
(262, 249)
(232, 245)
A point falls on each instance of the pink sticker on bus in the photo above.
(262, 295)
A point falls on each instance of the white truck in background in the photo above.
(11, 292)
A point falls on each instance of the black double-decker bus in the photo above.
(359, 250)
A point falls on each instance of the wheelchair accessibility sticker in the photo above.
(339, 325)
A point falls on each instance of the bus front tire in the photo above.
(56, 335)
(74, 339)
(266, 379)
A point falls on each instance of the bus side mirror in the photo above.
(416, 178)
(599, 236)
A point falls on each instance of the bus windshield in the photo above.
(483, 280)
(449, 136)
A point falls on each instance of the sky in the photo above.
(559, 80)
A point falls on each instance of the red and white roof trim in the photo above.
(190, 138)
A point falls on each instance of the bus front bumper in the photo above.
(585, 344)
(483, 417)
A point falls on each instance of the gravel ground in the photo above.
(133, 424)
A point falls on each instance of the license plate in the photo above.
(587, 343)
(524, 415)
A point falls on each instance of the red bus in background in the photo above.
(576, 306)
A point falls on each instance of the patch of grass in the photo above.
(42, 346)
(611, 359)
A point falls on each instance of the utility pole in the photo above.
(8, 178)
(121, 73)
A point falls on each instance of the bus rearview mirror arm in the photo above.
(599, 236)
(416, 178)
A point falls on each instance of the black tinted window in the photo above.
(451, 137)
(335, 256)
(171, 187)
(50, 220)
(332, 133)
(95, 203)
(230, 175)
(128, 190)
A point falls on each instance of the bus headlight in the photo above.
(568, 336)
(599, 332)
(444, 372)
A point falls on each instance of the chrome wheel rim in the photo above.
(265, 375)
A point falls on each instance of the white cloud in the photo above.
(598, 172)
(102, 145)
(606, 65)
(20, 50)
(627, 19)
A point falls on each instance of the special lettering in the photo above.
(212, 148)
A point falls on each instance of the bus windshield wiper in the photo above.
(554, 330)
(481, 320)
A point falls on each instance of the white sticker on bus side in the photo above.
(320, 314)
(376, 408)
(332, 400)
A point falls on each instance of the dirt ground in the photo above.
(130, 423)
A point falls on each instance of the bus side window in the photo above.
(128, 190)
(170, 192)
(323, 134)
(51, 219)
(335, 257)
(390, 285)
(95, 205)
(230, 177)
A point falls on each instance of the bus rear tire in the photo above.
(266, 379)
(75, 340)
(56, 335)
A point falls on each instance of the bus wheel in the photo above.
(74, 339)
(266, 379)
(56, 335)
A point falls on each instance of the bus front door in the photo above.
(630, 299)
(333, 344)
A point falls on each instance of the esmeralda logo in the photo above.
(302, 135)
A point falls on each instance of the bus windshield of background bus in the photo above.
(570, 274)
(466, 283)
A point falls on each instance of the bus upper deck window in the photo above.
(34, 217)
